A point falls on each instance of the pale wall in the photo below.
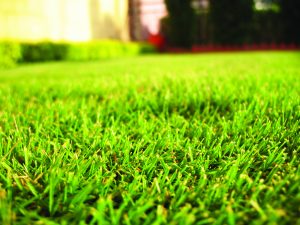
(71, 20)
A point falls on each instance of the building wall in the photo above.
(57, 20)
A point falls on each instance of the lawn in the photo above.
(168, 139)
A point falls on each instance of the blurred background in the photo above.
(166, 24)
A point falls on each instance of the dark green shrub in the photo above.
(231, 21)
(179, 26)
(144, 48)
(290, 16)
(267, 27)
(9, 53)
(43, 51)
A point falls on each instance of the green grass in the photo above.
(185, 139)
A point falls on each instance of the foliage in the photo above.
(106, 49)
(290, 17)
(231, 20)
(50, 51)
(179, 26)
(267, 27)
(150, 140)
(43, 51)
(239, 22)
(9, 53)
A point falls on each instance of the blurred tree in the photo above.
(267, 27)
(267, 5)
(290, 15)
(231, 21)
(267, 24)
(179, 26)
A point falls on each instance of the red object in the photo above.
(157, 40)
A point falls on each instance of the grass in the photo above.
(185, 139)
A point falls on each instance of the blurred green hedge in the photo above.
(10, 53)
(13, 52)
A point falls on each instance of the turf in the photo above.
(184, 139)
